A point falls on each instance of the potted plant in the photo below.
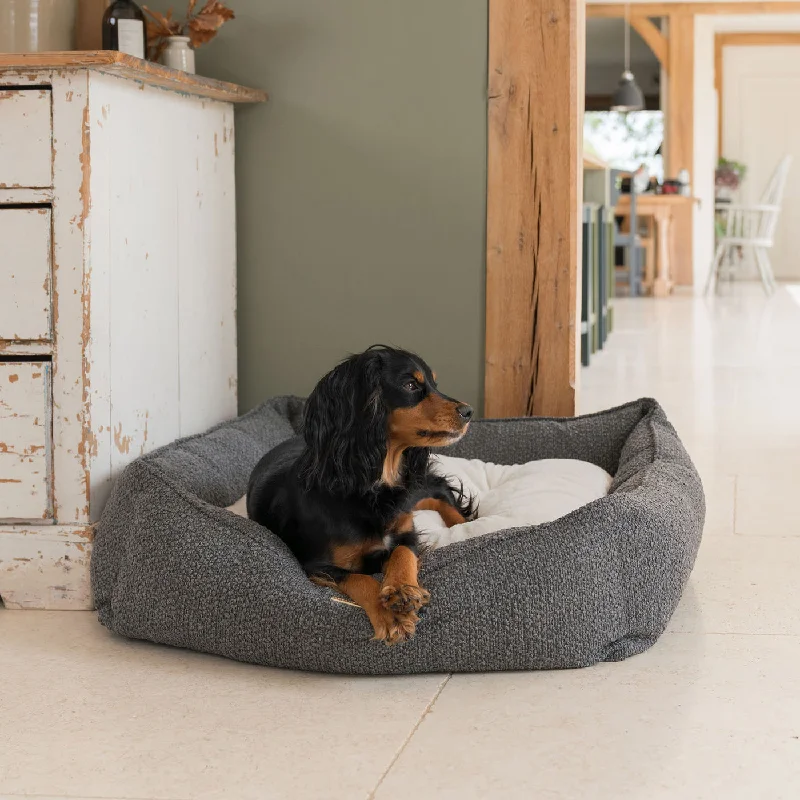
(727, 177)
(174, 41)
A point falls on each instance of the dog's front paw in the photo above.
(395, 628)
(406, 599)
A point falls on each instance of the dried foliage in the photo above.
(200, 26)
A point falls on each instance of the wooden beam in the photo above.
(653, 38)
(718, 87)
(666, 9)
(535, 121)
(679, 140)
(791, 38)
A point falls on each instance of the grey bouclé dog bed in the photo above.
(171, 565)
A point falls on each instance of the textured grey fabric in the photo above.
(171, 565)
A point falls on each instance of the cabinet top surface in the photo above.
(137, 69)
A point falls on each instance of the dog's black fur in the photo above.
(341, 496)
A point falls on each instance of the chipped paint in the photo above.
(145, 433)
(25, 157)
(122, 443)
(85, 445)
(91, 441)
(84, 452)
(71, 122)
(23, 392)
(45, 568)
(86, 167)
(27, 230)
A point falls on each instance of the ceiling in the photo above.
(605, 44)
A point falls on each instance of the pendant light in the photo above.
(627, 96)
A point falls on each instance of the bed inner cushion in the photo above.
(512, 495)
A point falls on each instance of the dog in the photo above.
(342, 495)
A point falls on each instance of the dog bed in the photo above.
(170, 564)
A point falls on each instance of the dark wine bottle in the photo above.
(124, 28)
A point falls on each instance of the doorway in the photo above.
(757, 75)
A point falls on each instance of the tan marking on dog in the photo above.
(392, 464)
(351, 556)
(449, 514)
(402, 523)
(434, 413)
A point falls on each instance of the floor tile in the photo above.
(742, 584)
(85, 713)
(720, 491)
(694, 718)
(768, 505)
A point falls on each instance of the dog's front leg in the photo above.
(389, 627)
(400, 590)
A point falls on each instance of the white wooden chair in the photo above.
(753, 227)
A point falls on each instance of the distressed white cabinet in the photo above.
(117, 293)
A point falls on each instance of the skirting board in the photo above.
(45, 568)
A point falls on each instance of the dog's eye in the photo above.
(411, 386)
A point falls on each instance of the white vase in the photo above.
(178, 54)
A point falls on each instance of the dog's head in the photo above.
(373, 418)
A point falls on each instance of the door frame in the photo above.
(534, 194)
(752, 39)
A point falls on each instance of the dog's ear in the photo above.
(345, 428)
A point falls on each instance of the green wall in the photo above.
(361, 185)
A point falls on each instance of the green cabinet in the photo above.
(597, 279)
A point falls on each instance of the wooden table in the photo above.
(673, 220)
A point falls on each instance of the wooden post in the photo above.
(534, 196)
(679, 142)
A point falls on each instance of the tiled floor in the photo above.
(712, 711)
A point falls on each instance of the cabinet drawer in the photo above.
(25, 273)
(25, 440)
(26, 132)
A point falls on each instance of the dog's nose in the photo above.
(465, 411)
